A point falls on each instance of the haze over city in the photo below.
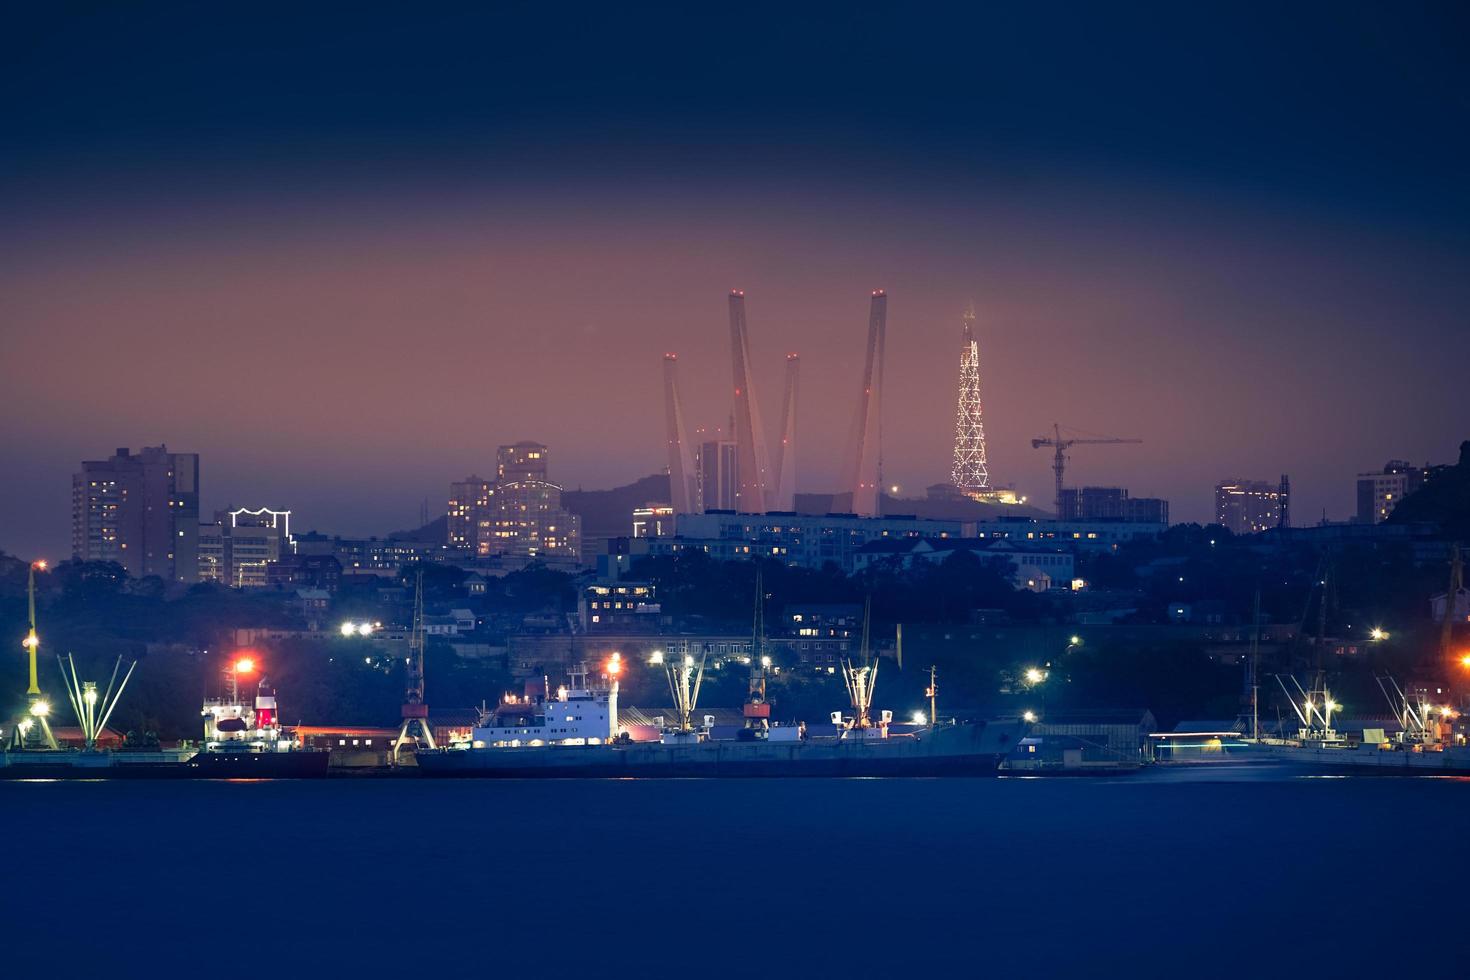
(344, 277)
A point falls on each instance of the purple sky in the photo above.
(343, 263)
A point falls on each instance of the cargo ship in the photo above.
(247, 741)
(574, 733)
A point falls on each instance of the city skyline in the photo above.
(1250, 273)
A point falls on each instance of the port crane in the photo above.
(1059, 461)
(415, 711)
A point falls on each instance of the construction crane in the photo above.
(1059, 461)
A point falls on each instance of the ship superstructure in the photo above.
(575, 714)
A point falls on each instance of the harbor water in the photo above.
(1208, 872)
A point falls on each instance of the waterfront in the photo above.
(1193, 873)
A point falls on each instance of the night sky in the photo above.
(345, 251)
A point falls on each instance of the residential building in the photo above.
(1380, 493)
(239, 546)
(519, 515)
(139, 510)
(1111, 504)
(468, 498)
(311, 572)
(1251, 506)
(619, 607)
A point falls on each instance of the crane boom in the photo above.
(1059, 460)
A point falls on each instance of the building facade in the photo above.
(1111, 504)
(140, 510)
(718, 477)
(518, 515)
(1251, 506)
(238, 547)
(1380, 493)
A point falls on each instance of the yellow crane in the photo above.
(1059, 461)
(38, 707)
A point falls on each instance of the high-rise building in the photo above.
(468, 498)
(522, 461)
(140, 510)
(1111, 504)
(1380, 493)
(1251, 506)
(970, 473)
(519, 514)
(716, 462)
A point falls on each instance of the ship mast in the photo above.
(684, 685)
(862, 676)
(415, 711)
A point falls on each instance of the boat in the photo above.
(246, 741)
(574, 733)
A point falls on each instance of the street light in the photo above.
(1035, 675)
(1378, 634)
(1028, 716)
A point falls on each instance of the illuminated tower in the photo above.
(753, 466)
(784, 497)
(864, 475)
(682, 483)
(970, 475)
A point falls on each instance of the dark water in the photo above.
(1222, 873)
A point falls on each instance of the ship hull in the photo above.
(966, 750)
(1451, 762)
(162, 765)
(298, 764)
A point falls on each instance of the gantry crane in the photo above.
(1059, 462)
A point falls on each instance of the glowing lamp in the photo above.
(40, 709)
(1034, 676)
(765, 661)
(1028, 716)
(348, 629)
(614, 666)
(657, 657)
(31, 642)
(41, 565)
(244, 665)
(1378, 634)
(91, 696)
(920, 718)
(1076, 641)
(365, 629)
(1465, 660)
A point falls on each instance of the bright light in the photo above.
(41, 565)
(25, 725)
(765, 661)
(365, 629)
(40, 709)
(1465, 660)
(614, 666)
(349, 629)
(31, 642)
(1034, 676)
(1076, 641)
(688, 660)
(1029, 716)
(244, 665)
(1378, 633)
(91, 696)
(920, 718)
(657, 658)
(1333, 706)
